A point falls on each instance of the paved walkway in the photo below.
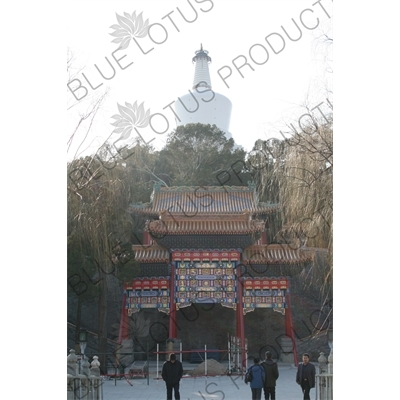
(210, 388)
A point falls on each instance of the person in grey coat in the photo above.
(305, 376)
(272, 374)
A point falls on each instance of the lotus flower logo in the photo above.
(131, 115)
(129, 26)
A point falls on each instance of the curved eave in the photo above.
(203, 233)
(191, 214)
(216, 232)
(275, 254)
(150, 254)
(278, 262)
(267, 210)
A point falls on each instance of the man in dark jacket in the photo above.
(172, 372)
(305, 376)
(272, 374)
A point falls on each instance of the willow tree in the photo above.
(306, 192)
(298, 171)
(99, 192)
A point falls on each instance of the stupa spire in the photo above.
(201, 73)
(202, 105)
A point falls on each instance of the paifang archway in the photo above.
(209, 245)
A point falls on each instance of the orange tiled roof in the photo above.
(274, 254)
(200, 227)
(195, 200)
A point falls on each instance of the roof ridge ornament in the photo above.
(252, 185)
(157, 186)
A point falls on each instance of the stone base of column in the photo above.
(287, 355)
(287, 358)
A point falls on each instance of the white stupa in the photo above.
(202, 104)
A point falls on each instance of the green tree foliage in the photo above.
(198, 154)
(261, 163)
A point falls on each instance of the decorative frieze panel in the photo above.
(148, 293)
(205, 282)
(231, 255)
(264, 293)
(206, 277)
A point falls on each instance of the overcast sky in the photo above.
(280, 75)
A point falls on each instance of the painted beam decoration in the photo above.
(205, 282)
(148, 293)
(231, 255)
(205, 277)
(264, 293)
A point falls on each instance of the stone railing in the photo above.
(324, 378)
(83, 381)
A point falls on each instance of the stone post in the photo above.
(95, 379)
(322, 363)
(322, 366)
(330, 362)
(72, 379)
(72, 365)
(95, 367)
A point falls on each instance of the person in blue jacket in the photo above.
(257, 383)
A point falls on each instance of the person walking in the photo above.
(272, 374)
(172, 372)
(257, 383)
(305, 376)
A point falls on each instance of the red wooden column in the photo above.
(239, 315)
(172, 306)
(123, 325)
(289, 331)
